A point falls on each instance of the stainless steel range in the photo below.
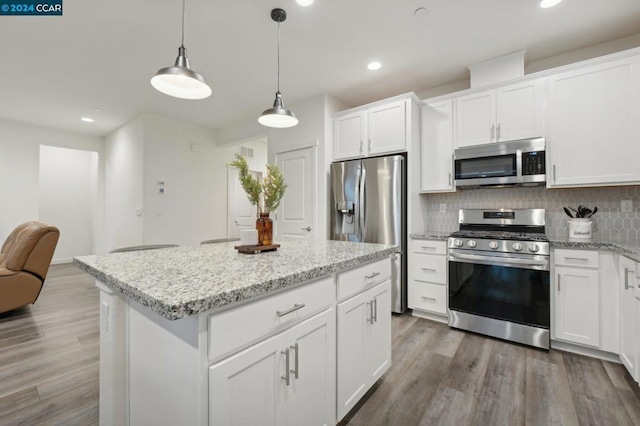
(499, 275)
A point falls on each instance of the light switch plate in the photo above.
(626, 206)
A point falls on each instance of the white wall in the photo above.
(19, 171)
(194, 207)
(123, 185)
(67, 198)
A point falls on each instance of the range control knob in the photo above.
(517, 246)
(471, 243)
(533, 248)
(458, 243)
(493, 245)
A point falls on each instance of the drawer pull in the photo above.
(429, 298)
(292, 309)
(428, 269)
(579, 259)
(429, 247)
(375, 274)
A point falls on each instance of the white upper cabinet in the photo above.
(387, 128)
(349, 135)
(384, 127)
(437, 147)
(594, 125)
(508, 113)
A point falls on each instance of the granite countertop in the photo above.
(180, 281)
(629, 248)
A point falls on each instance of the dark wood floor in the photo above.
(49, 354)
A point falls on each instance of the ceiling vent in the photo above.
(247, 152)
(497, 70)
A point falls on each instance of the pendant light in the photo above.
(278, 116)
(180, 80)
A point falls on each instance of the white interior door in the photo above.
(241, 213)
(295, 216)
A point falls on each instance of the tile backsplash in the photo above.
(609, 221)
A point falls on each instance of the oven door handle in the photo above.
(503, 260)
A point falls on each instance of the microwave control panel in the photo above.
(533, 163)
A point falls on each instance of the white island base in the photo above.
(302, 355)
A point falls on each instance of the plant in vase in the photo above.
(266, 196)
(580, 225)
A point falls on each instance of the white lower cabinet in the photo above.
(285, 380)
(577, 297)
(628, 320)
(364, 343)
(427, 285)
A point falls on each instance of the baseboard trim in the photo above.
(582, 350)
(62, 261)
(431, 316)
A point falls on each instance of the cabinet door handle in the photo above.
(369, 145)
(492, 132)
(370, 319)
(554, 173)
(361, 146)
(296, 370)
(498, 132)
(375, 310)
(558, 282)
(295, 307)
(428, 269)
(429, 298)
(626, 278)
(449, 178)
(375, 274)
(287, 376)
(306, 228)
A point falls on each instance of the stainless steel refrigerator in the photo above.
(368, 204)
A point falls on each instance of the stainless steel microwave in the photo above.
(515, 163)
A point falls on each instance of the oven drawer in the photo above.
(429, 247)
(428, 297)
(569, 257)
(430, 268)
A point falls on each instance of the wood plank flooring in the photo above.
(49, 354)
(442, 376)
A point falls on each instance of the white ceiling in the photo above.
(101, 54)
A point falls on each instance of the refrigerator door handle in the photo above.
(362, 219)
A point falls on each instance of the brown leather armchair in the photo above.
(24, 262)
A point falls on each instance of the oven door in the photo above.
(507, 287)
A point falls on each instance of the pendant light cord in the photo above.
(183, 2)
(278, 56)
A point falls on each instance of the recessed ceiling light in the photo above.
(87, 119)
(549, 3)
(374, 66)
(304, 2)
(419, 12)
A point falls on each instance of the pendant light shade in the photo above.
(180, 81)
(278, 116)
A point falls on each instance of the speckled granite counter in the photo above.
(181, 281)
(429, 235)
(629, 248)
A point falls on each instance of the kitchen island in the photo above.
(205, 335)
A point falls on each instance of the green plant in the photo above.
(580, 212)
(266, 195)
